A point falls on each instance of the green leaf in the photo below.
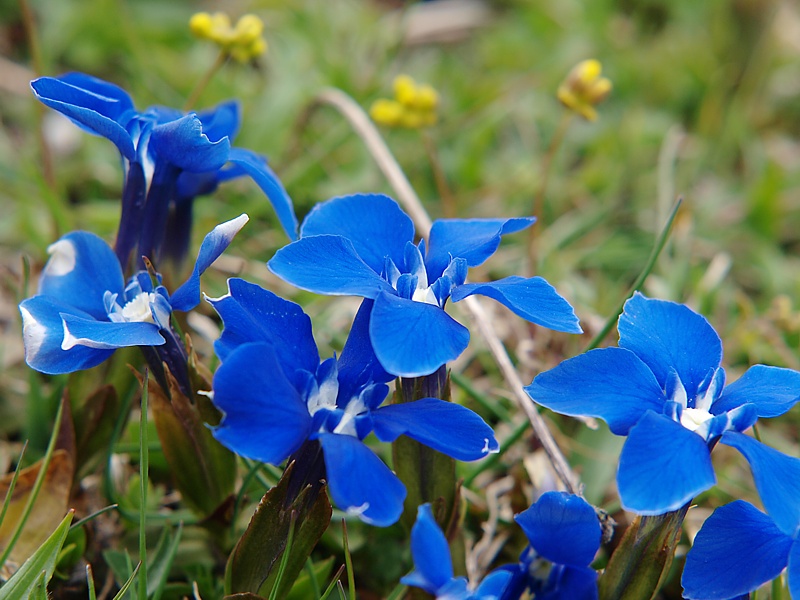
(127, 585)
(642, 558)
(161, 562)
(304, 588)
(204, 470)
(23, 582)
(252, 566)
(39, 591)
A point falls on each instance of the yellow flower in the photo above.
(584, 88)
(243, 41)
(414, 105)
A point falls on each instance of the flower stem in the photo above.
(203, 83)
(449, 207)
(537, 208)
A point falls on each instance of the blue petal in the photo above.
(359, 482)
(221, 121)
(563, 528)
(358, 365)
(258, 170)
(183, 144)
(264, 416)
(663, 465)
(472, 239)
(187, 296)
(449, 428)
(533, 299)
(771, 389)
(667, 336)
(327, 264)
(413, 338)
(81, 268)
(738, 549)
(374, 223)
(43, 332)
(252, 314)
(609, 383)
(793, 572)
(95, 106)
(106, 335)
(569, 583)
(492, 586)
(777, 478)
(432, 563)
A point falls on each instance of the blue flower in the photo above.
(169, 158)
(433, 568)
(362, 245)
(664, 388)
(564, 534)
(85, 310)
(275, 395)
(739, 548)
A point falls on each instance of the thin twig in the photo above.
(389, 166)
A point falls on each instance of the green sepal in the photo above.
(253, 564)
(204, 470)
(642, 558)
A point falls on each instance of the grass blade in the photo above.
(651, 262)
(23, 582)
(37, 486)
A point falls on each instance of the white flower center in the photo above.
(425, 295)
(692, 418)
(138, 309)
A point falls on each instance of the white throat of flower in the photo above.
(693, 418)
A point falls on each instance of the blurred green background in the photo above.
(705, 105)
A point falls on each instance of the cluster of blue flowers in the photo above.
(663, 387)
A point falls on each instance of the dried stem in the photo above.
(387, 163)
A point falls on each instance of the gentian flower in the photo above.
(433, 568)
(85, 310)
(564, 534)
(275, 396)
(169, 158)
(739, 548)
(664, 388)
(363, 245)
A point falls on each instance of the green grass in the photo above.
(702, 108)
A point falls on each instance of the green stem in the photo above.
(659, 245)
(442, 187)
(203, 83)
(144, 471)
(541, 193)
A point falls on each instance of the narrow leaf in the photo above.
(21, 584)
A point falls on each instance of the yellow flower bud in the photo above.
(427, 98)
(242, 42)
(248, 29)
(386, 112)
(584, 88)
(412, 119)
(405, 90)
(200, 25)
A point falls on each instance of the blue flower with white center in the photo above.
(433, 568)
(564, 534)
(363, 245)
(664, 388)
(85, 310)
(169, 158)
(276, 395)
(739, 548)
